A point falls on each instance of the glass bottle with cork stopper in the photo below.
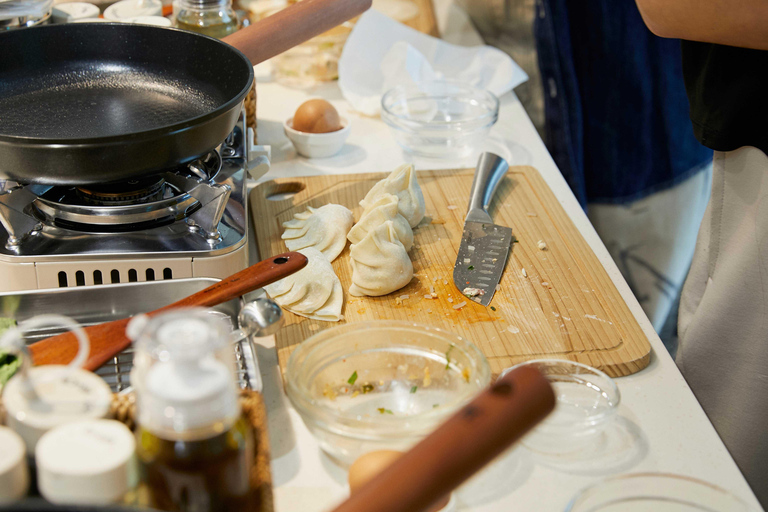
(215, 18)
(194, 447)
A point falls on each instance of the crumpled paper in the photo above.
(381, 53)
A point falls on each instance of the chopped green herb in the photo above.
(448, 358)
(413, 389)
(384, 411)
(493, 308)
(367, 388)
(471, 267)
(435, 406)
(352, 378)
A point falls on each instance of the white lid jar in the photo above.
(41, 398)
(14, 476)
(87, 463)
(183, 374)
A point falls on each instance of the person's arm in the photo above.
(742, 23)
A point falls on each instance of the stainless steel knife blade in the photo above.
(485, 246)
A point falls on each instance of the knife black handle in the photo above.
(490, 169)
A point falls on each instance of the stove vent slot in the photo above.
(72, 274)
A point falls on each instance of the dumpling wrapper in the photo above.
(380, 211)
(323, 228)
(314, 292)
(403, 184)
(380, 263)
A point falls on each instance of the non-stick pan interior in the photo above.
(94, 81)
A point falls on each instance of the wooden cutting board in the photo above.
(553, 303)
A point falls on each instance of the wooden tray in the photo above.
(425, 21)
(553, 303)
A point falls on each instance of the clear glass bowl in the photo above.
(655, 492)
(440, 119)
(381, 385)
(587, 400)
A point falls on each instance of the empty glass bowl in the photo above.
(655, 492)
(439, 119)
(381, 385)
(587, 400)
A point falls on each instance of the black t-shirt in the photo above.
(728, 93)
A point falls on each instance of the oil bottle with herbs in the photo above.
(194, 447)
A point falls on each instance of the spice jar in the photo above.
(215, 18)
(87, 462)
(194, 448)
(39, 399)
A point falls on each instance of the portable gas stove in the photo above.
(189, 221)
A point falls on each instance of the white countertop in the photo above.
(661, 427)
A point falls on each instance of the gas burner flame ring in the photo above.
(136, 191)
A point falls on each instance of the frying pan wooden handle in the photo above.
(109, 339)
(459, 447)
(292, 26)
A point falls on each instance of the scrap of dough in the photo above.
(402, 183)
(384, 208)
(314, 292)
(380, 263)
(323, 228)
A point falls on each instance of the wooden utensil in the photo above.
(292, 26)
(459, 447)
(109, 339)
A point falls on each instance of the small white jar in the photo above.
(89, 462)
(14, 474)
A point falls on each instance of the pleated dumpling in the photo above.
(380, 263)
(323, 228)
(401, 183)
(314, 291)
(380, 211)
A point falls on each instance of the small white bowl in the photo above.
(317, 145)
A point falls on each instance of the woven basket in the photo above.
(250, 109)
(123, 409)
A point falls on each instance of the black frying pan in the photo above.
(95, 103)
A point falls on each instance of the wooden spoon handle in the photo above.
(459, 447)
(292, 26)
(109, 339)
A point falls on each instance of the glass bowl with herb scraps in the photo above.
(381, 385)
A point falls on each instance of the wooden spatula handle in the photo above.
(459, 447)
(109, 339)
(292, 26)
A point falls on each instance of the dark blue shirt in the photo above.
(616, 108)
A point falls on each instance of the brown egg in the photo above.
(316, 116)
(370, 465)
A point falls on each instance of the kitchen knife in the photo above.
(484, 245)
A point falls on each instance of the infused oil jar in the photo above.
(195, 450)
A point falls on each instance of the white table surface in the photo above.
(661, 427)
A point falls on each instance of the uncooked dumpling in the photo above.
(380, 263)
(380, 211)
(402, 183)
(314, 291)
(323, 228)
